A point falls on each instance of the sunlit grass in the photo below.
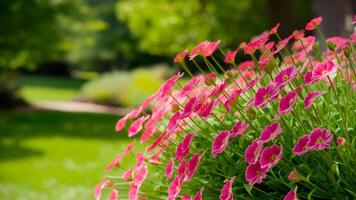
(55, 155)
(49, 88)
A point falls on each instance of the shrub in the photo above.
(279, 126)
(124, 88)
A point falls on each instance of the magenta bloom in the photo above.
(206, 109)
(180, 56)
(117, 160)
(188, 108)
(255, 173)
(287, 103)
(301, 147)
(285, 76)
(233, 96)
(210, 79)
(291, 195)
(174, 188)
(274, 29)
(169, 169)
(165, 89)
(314, 23)
(114, 195)
(190, 85)
(294, 176)
(218, 89)
(226, 190)
(193, 165)
(136, 126)
(230, 57)
(182, 170)
(310, 98)
(239, 128)
(270, 156)
(120, 124)
(184, 146)
(199, 194)
(99, 187)
(265, 94)
(319, 139)
(270, 132)
(210, 48)
(324, 69)
(220, 143)
(253, 151)
(309, 79)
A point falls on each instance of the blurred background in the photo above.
(70, 69)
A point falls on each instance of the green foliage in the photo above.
(157, 23)
(124, 88)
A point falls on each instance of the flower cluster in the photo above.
(281, 125)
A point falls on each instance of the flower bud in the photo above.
(210, 79)
(346, 50)
(294, 176)
(331, 46)
(340, 141)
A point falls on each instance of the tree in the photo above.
(165, 27)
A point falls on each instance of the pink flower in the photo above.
(324, 69)
(226, 190)
(309, 79)
(274, 29)
(256, 43)
(210, 79)
(174, 188)
(270, 132)
(199, 194)
(319, 139)
(117, 160)
(291, 195)
(220, 143)
(282, 44)
(114, 194)
(285, 76)
(251, 84)
(205, 49)
(314, 23)
(206, 109)
(184, 146)
(239, 128)
(120, 124)
(210, 48)
(193, 165)
(301, 147)
(265, 94)
(255, 173)
(230, 57)
(270, 156)
(354, 20)
(310, 98)
(287, 103)
(298, 34)
(99, 187)
(217, 90)
(136, 126)
(180, 56)
(233, 96)
(173, 122)
(168, 172)
(340, 140)
(182, 170)
(186, 197)
(253, 151)
(127, 174)
(190, 85)
(167, 86)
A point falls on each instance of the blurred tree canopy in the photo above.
(165, 27)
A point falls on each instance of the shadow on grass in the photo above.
(63, 124)
(51, 81)
(15, 151)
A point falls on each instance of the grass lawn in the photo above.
(48, 88)
(55, 155)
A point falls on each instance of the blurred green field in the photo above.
(55, 155)
(48, 88)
